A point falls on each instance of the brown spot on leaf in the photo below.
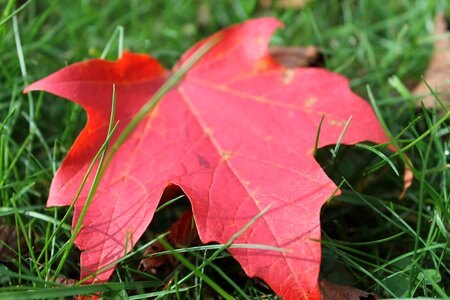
(226, 155)
(261, 41)
(288, 75)
(310, 102)
(336, 122)
(264, 64)
(203, 162)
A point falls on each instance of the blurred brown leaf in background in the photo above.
(438, 71)
(330, 291)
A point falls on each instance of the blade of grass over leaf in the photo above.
(61, 223)
(93, 188)
(169, 84)
(171, 201)
(341, 136)
(103, 163)
(220, 248)
(316, 143)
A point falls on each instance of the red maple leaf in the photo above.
(237, 134)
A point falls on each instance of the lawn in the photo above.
(371, 239)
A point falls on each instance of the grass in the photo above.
(371, 240)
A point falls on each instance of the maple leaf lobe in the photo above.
(90, 84)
